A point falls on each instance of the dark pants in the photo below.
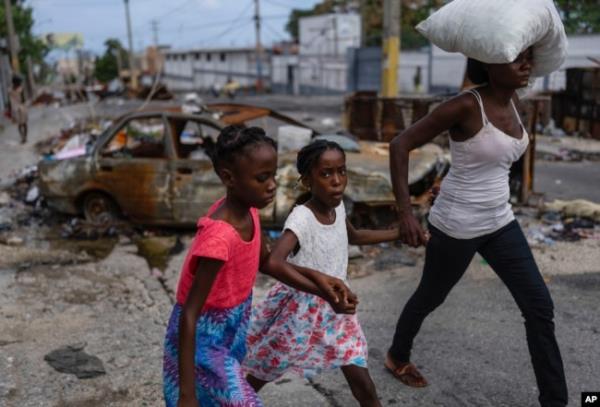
(509, 255)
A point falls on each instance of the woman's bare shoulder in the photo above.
(458, 108)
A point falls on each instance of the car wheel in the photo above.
(99, 208)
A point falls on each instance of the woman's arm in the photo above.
(446, 116)
(304, 279)
(370, 236)
(206, 272)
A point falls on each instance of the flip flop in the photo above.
(407, 373)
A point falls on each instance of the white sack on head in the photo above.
(496, 32)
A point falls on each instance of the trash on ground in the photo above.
(73, 140)
(78, 228)
(570, 148)
(579, 208)
(4, 198)
(11, 240)
(33, 194)
(158, 249)
(72, 359)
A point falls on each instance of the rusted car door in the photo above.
(194, 184)
(133, 166)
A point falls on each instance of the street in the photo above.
(105, 297)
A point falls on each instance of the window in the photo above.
(193, 137)
(222, 57)
(138, 138)
(197, 56)
(183, 57)
(208, 56)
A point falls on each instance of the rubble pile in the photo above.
(74, 140)
(566, 221)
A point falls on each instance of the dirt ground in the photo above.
(111, 297)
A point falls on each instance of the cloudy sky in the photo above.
(181, 23)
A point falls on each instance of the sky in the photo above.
(181, 23)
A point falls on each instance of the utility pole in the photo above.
(335, 35)
(30, 79)
(391, 48)
(132, 73)
(12, 38)
(155, 32)
(259, 83)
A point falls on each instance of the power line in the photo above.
(217, 23)
(276, 3)
(168, 13)
(274, 31)
(229, 31)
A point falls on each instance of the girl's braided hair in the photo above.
(309, 155)
(232, 142)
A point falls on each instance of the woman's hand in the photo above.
(411, 231)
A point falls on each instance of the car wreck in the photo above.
(152, 168)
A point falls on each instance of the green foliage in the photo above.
(107, 67)
(23, 21)
(580, 16)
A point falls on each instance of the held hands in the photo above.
(336, 293)
(411, 231)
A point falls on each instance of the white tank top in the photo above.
(474, 196)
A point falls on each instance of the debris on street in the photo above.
(579, 208)
(567, 148)
(73, 360)
(72, 141)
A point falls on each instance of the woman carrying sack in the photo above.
(472, 213)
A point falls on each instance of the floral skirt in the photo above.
(220, 348)
(295, 331)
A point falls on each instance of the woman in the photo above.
(472, 214)
(18, 108)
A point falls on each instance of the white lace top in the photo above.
(322, 247)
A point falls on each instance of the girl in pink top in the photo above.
(206, 334)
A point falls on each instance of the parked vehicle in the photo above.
(152, 168)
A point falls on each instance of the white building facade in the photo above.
(201, 69)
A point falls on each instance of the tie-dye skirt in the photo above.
(220, 348)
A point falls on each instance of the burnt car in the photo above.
(152, 168)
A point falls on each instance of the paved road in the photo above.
(568, 180)
(473, 348)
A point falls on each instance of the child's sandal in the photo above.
(407, 373)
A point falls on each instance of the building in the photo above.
(320, 65)
(448, 69)
(202, 68)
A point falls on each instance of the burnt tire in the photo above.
(99, 208)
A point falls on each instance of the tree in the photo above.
(107, 66)
(29, 45)
(580, 16)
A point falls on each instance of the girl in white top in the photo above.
(292, 330)
(472, 215)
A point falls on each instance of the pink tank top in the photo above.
(217, 239)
